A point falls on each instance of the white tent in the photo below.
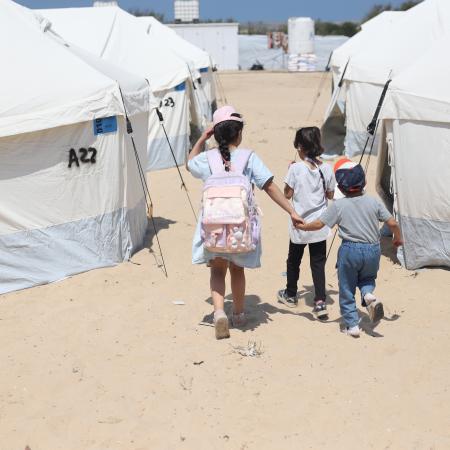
(334, 126)
(370, 32)
(203, 96)
(414, 161)
(71, 196)
(411, 36)
(119, 37)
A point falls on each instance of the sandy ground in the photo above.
(105, 360)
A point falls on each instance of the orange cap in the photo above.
(344, 163)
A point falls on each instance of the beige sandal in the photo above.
(221, 324)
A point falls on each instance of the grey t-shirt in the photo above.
(358, 218)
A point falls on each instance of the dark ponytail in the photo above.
(227, 133)
(309, 140)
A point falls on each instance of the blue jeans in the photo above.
(357, 266)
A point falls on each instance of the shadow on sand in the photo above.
(260, 313)
(388, 250)
(160, 224)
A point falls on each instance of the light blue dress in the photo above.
(258, 174)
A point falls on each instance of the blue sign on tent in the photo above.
(105, 125)
(180, 87)
(204, 70)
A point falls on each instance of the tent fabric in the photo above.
(23, 108)
(58, 220)
(173, 104)
(411, 37)
(345, 130)
(370, 32)
(333, 128)
(414, 163)
(422, 92)
(118, 37)
(386, 55)
(207, 77)
(201, 96)
(358, 115)
(41, 256)
(72, 195)
(184, 49)
(417, 194)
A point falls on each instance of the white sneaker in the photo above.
(352, 331)
(374, 308)
(221, 324)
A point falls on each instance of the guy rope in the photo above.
(320, 87)
(142, 176)
(183, 184)
(371, 133)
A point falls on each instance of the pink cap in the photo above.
(225, 113)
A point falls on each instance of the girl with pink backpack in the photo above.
(228, 232)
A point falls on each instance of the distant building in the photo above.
(105, 3)
(220, 40)
(186, 11)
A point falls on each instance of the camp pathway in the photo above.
(107, 360)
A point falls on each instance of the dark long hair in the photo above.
(309, 140)
(226, 133)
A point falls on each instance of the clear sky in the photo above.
(243, 10)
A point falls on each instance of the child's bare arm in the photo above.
(311, 226)
(198, 147)
(276, 195)
(330, 195)
(288, 191)
(395, 228)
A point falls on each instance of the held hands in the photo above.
(297, 220)
(397, 243)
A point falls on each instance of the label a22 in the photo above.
(83, 155)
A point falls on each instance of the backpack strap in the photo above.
(241, 160)
(215, 161)
(324, 184)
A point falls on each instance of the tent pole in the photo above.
(144, 184)
(183, 184)
(372, 131)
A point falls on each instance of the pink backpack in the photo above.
(230, 220)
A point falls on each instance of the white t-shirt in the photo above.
(309, 198)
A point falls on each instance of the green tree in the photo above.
(378, 9)
(146, 12)
(375, 11)
(407, 5)
(336, 29)
(349, 28)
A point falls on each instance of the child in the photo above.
(358, 216)
(227, 130)
(310, 183)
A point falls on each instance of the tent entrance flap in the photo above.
(334, 128)
(174, 106)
